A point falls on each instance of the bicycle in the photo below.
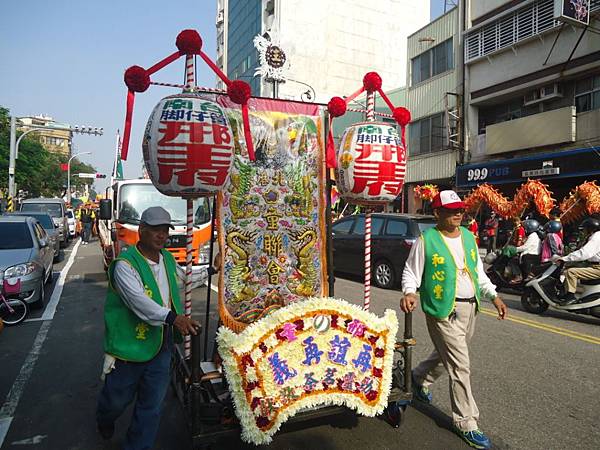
(12, 310)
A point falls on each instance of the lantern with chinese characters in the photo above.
(188, 146)
(371, 163)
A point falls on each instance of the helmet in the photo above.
(590, 225)
(553, 226)
(531, 226)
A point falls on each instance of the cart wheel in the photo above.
(394, 414)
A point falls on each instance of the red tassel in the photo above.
(330, 158)
(247, 134)
(127, 130)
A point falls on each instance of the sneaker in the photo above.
(420, 392)
(475, 438)
(106, 431)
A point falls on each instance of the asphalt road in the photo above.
(535, 379)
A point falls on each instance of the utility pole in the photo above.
(12, 157)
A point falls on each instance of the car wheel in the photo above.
(383, 274)
(41, 301)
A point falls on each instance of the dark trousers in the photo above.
(149, 381)
(87, 231)
(528, 262)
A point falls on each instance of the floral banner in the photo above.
(271, 213)
(320, 351)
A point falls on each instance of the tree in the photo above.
(37, 170)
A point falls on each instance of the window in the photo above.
(15, 235)
(396, 228)
(427, 135)
(343, 227)
(437, 60)
(587, 94)
(376, 226)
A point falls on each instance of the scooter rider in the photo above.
(530, 250)
(552, 243)
(590, 253)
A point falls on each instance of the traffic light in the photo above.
(88, 130)
(100, 175)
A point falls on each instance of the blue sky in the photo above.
(66, 59)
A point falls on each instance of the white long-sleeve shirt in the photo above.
(415, 264)
(130, 288)
(531, 246)
(589, 252)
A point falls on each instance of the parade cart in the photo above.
(286, 350)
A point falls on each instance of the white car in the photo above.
(71, 222)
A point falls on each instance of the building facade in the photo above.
(433, 98)
(533, 89)
(57, 140)
(329, 45)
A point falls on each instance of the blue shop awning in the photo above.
(581, 162)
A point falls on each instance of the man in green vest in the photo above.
(444, 265)
(141, 314)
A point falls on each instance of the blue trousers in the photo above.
(149, 381)
(87, 231)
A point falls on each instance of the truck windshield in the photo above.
(135, 198)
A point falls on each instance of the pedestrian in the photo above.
(142, 308)
(491, 230)
(86, 221)
(446, 268)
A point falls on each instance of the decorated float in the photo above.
(286, 349)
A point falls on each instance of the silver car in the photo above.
(25, 253)
(49, 227)
(56, 208)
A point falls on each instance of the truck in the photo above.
(120, 213)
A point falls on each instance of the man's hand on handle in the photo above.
(408, 303)
(501, 308)
(186, 325)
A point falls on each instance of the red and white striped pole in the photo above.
(367, 300)
(190, 82)
(188, 271)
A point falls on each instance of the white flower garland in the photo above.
(231, 344)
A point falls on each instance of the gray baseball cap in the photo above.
(156, 215)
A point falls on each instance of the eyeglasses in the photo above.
(453, 212)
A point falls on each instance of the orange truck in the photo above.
(120, 213)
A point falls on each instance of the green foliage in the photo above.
(37, 170)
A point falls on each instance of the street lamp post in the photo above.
(69, 174)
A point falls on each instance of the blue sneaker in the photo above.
(420, 392)
(475, 438)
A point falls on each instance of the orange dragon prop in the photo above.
(584, 199)
(532, 190)
(425, 192)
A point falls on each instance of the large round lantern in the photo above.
(188, 146)
(371, 164)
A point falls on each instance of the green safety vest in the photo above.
(438, 284)
(126, 336)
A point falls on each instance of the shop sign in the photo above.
(540, 172)
(575, 12)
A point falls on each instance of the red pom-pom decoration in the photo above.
(239, 92)
(372, 82)
(189, 42)
(137, 79)
(336, 106)
(401, 115)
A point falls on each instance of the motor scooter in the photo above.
(544, 290)
(504, 270)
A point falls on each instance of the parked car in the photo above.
(25, 253)
(49, 227)
(71, 223)
(392, 236)
(57, 209)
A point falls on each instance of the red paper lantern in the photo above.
(188, 146)
(371, 164)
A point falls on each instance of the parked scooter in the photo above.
(543, 291)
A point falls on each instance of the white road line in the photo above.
(51, 308)
(9, 407)
(214, 288)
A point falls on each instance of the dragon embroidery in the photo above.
(239, 278)
(242, 204)
(306, 277)
(300, 203)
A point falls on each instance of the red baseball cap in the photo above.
(447, 199)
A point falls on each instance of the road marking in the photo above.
(551, 328)
(51, 308)
(9, 407)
